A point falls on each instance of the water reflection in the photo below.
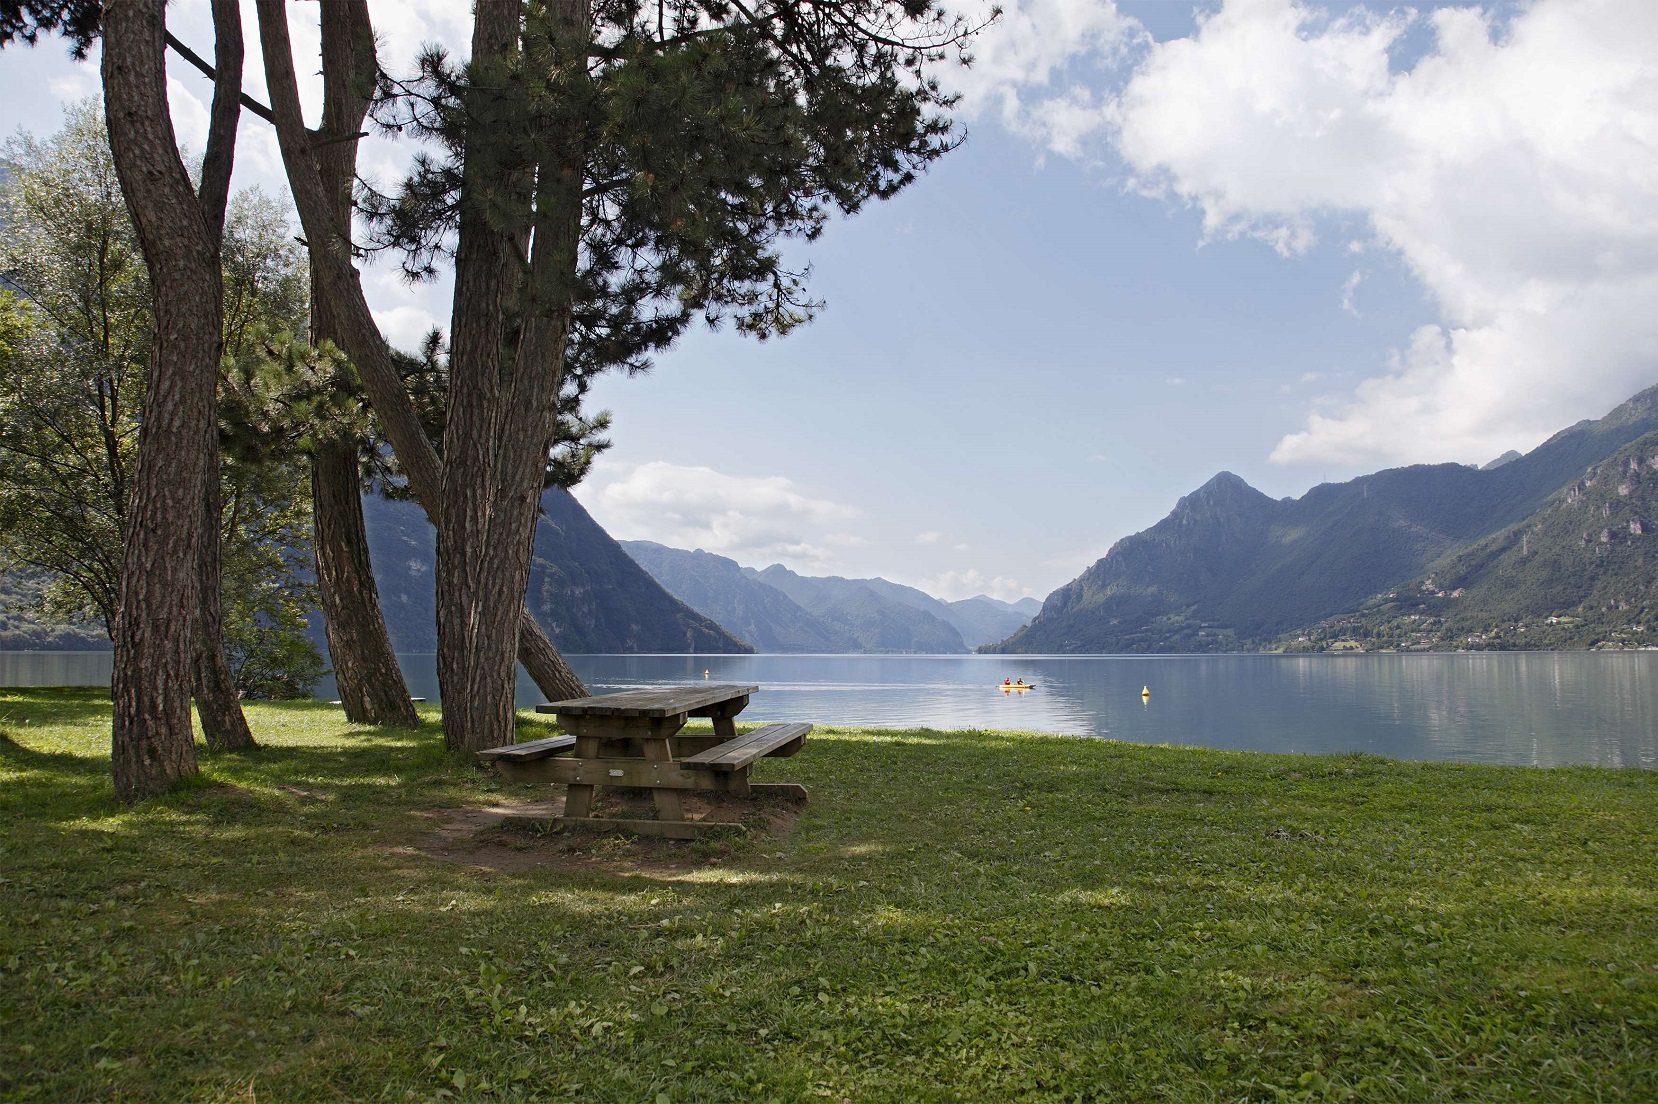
(1537, 708)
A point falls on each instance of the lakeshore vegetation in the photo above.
(954, 916)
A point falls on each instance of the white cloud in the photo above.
(405, 326)
(1349, 292)
(755, 520)
(953, 586)
(927, 538)
(1514, 173)
(1045, 47)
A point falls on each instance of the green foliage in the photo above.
(69, 413)
(956, 916)
(77, 337)
(706, 134)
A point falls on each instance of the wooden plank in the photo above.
(665, 798)
(578, 799)
(773, 739)
(670, 829)
(535, 749)
(793, 791)
(657, 702)
(567, 771)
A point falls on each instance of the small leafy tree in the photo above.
(78, 335)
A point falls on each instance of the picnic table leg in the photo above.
(725, 718)
(578, 800)
(668, 805)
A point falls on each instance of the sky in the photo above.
(1297, 241)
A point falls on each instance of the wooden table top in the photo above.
(661, 702)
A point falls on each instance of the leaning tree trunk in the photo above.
(365, 667)
(370, 683)
(153, 746)
(217, 702)
(331, 257)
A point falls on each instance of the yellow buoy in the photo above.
(1145, 691)
(705, 675)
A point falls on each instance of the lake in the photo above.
(1532, 708)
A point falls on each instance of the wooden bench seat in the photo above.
(739, 751)
(526, 753)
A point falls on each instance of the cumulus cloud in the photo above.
(1033, 66)
(1514, 170)
(927, 538)
(953, 586)
(752, 519)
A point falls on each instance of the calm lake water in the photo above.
(1537, 708)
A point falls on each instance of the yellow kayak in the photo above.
(1018, 686)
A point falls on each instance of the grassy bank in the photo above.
(963, 916)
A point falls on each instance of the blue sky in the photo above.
(1293, 241)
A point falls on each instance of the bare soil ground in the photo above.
(510, 837)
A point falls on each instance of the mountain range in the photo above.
(585, 591)
(1580, 572)
(779, 610)
(1231, 568)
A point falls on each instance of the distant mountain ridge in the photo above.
(779, 610)
(584, 590)
(1232, 568)
(719, 589)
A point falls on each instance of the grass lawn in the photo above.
(956, 916)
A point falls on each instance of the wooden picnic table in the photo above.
(633, 739)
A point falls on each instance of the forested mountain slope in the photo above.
(1231, 568)
(584, 589)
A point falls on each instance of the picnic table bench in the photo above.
(633, 739)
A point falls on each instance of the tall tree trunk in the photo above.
(503, 388)
(486, 280)
(153, 746)
(330, 251)
(370, 683)
(217, 704)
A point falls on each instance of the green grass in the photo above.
(956, 916)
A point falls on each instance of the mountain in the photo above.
(1230, 567)
(1580, 572)
(879, 615)
(780, 611)
(984, 620)
(584, 589)
(719, 589)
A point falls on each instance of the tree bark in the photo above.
(218, 705)
(370, 683)
(330, 252)
(485, 282)
(153, 746)
(501, 423)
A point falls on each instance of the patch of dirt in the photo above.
(515, 837)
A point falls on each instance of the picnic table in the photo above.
(633, 739)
